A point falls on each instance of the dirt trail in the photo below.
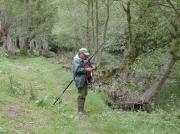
(70, 97)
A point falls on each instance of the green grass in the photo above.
(21, 114)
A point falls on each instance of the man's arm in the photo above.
(77, 68)
(93, 65)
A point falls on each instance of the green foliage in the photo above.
(67, 31)
(152, 26)
(109, 61)
(23, 51)
(145, 71)
(136, 123)
(2, 53)
(30, 19)
(32, 93)
(42, 102)
(14, 86)
(149, 64)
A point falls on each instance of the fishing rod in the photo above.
(59, 98)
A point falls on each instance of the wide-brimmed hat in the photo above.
(84, 51)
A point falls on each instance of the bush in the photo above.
(14, 86)
(2, 53)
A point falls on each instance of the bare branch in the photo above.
(125, 9)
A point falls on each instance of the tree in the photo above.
(7, 17)
(167, 15)
(25, 20)
(173, 53)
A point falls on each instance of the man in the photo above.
(82, 70)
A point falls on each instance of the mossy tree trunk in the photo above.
(173, 56)
(88, 40)
(129, 54)
(152, 92)
(8, 43)
(92, 22)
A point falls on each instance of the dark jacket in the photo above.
(79, 72)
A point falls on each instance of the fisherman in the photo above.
(82, 71)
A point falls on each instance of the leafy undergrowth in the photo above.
(28, 87)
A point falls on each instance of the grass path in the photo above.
(47, 80)
(26, 105)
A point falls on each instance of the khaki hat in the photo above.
(84, 51)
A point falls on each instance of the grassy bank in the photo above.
(28, 87)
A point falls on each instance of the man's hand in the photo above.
(94, 67)
(89, 69)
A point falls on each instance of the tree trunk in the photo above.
(131, 100)
(107, 21)
(1, 27)
(8, 44)
(173, 56)
(127, 10)
(45, 43)
(92, 21)
(32, 45)
(96, 29)
(171, 59)
(148, 96)
(129, 26)
(88, 29)
(38, 45)
(156, 87)
(105, 27)
(97, 24)
(129, 52)
(21, 42)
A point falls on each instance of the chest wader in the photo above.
(82, 93)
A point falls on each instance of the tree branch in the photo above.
(125, 9)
